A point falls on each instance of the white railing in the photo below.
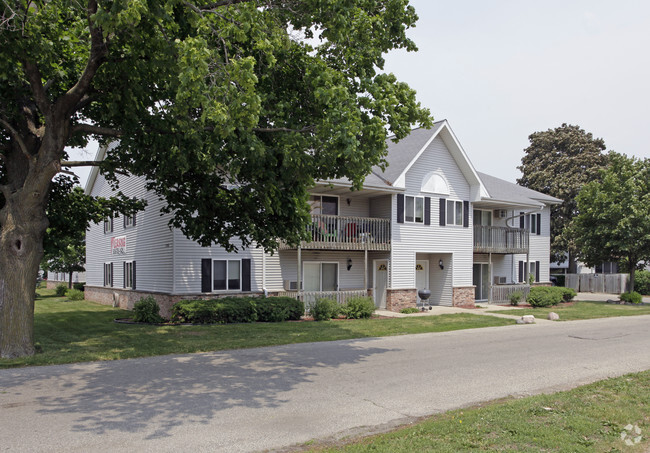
(501, 293)
(346, 233)
(489, 239)
(309, 297)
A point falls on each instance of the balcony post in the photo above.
(298, 285)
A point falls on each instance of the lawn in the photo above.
(583, 310)
(67, 332)
(586, 419)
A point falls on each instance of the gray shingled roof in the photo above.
(501, 190)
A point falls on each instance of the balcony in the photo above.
(331, 232)
(490, 239)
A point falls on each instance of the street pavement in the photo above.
(275, 397)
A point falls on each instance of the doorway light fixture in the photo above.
(441, 264)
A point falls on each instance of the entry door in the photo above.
(381, 282)
(481, 279)
(421, 275)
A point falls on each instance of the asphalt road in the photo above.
(270, 398)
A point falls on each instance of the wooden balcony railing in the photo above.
(491, 239)
(346, 233)
(310, 297)
(501, 293)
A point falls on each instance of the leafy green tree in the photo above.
(614, 215)
(558, 162)
(230, 109)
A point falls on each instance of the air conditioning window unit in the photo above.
(500, 213)
(499, 280)
(290, 286)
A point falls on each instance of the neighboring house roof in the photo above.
(508, 192)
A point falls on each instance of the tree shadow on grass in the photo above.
(153, 395)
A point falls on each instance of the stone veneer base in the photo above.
(463, 297)
(126, 298)
(397, 299)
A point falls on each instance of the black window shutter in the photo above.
(443, 213)
(134, 217)
(400, 208)
(427, 210)
(521, 220)
(111, 274)
(133, 279)
(539, 224)
(521, 271)
(206, 275)
(466, 214)
(536, 271)
(246, 275)
(123, 274)
(124, 220)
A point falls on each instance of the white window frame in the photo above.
(415, 209)
(128, 274)
(321, 195)
(532, 270)
(129, 221)
(320, 278)
(108, 224)
(227, 261)
(108, 277)
(455, 219)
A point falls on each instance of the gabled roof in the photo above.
(510, 193)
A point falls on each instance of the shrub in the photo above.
(642, 282)
(409, 310)
(560, 278)
(278, 309)
(359, 307)
(75, 294)
(60, 289)
(324, 309)
(79, 286)
(567, 294)
(545, 296)
(516, 297)
(147, 310)
(633, 297)
(222, 311)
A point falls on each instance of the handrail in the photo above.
(497, 239)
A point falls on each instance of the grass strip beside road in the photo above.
(590, 418)
(69, 332)
(581, 310)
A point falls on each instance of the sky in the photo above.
(500, 70)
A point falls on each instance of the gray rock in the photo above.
(528, 319)
(520, 321)
(552, 316)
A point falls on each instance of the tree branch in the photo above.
(222, 3)
(81, 163)
(38, 91)
(69, 100)
(96, 130)
(5, 191)
(17, 137)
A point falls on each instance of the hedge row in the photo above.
(228, 310)
(546, 296)
(355, 308)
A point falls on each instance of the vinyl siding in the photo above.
(149, 242)
(453, 241)
(380, 207)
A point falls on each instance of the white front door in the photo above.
(380, 279)
(421, 275)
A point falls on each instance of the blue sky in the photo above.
(501, 70)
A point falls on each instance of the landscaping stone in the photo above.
(528, 319)
(552, 316)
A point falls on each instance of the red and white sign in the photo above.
(118, 245)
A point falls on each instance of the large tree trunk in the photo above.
(631, 268)
(21, 250)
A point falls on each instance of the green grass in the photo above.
(583, 310)
(586, 419)
(67, 332)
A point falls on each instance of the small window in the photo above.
(414, 209)
(128, 274)
(129, 220)
(454, 212)
(532, 273)
(108, 224)
(108, 274)
(321, 204)
(226, 275)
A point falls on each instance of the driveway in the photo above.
(271, 398)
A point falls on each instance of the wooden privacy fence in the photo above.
(501, 293)
(598, 283)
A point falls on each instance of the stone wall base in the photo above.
(463, 297)
(126, 298)
(397, 299)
